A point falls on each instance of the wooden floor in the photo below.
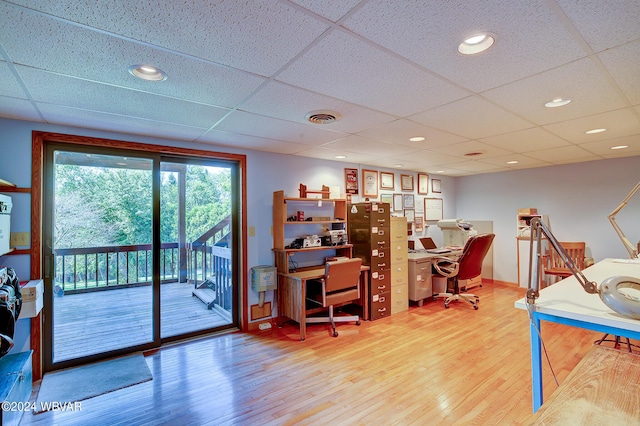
(89, 323)
(427, 366)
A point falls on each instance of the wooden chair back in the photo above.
(556, 266)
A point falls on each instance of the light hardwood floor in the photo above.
(426, 366)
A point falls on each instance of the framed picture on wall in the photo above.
(397, 202)
(423, 183)
(369, 183)
(351, 181)
(406, 182)
(408, 201)
(386, 198)
(410, 214)
(436, 185)
(386, 181)
(419, 224)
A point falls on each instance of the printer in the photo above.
(456, 232)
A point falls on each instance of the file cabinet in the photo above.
(399, 265)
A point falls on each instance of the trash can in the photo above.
(438, 284)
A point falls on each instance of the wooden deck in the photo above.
(95, 322)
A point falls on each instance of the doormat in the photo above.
(80, 383)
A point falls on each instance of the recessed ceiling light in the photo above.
(340, 156)
(147, 72)
(512, 162)
(620, 147)
(476, 44)
(557, 103)
(439, 171)
(594, 131)
(398, 165)
(417, 139)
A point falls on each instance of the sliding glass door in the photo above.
(138, 249)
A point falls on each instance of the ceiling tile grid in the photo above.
(244, 73)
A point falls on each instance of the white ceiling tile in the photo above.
(472, 117)
(394, 163)
(330, 9)
(581, 81)
(361, 145)
(236, 140)
(477, 166)
(533, 139)
(623, 64)
(430, 158)
(57, 47)
(10, 85)
(603, 147)
(346, 67)
(272, 128)
(604, 25)
(294, 103)
(464, 148)
(399, 131)
(117, 123)
(19, 109)
(524, 161)
(83, 94)
(428, 33)
(330, 154)
(564, 155)
(228, 32)
(618, 123)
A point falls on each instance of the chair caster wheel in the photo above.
(357, 322)
(335, 334)
(446, 306)
(475, 307)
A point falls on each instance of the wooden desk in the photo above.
(603, 389)
(567, 303)
(292, 294)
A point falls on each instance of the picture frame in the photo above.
(351, 181)
(408, 201)
(406, 182)
(433, 209)
(369, 183)
(397, 202)
(410, 214)
(436, 186)
(386, 180)
(423, 183)
(386, 198)
(419, 221)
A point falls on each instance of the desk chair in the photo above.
(467, 266)
(340, 284)
(554, 266)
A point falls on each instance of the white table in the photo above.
(566, 302)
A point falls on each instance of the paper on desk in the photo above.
(633, 261)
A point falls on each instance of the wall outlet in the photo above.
(20, 239)
(264, 326)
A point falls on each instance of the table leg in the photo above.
(536, 362)
(303, 309)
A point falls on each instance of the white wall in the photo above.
(576, 197)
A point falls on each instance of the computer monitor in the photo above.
(428, 243)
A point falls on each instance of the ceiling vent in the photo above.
(474, 153)
(323, 117)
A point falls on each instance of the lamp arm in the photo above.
(633, 251)
(538, 228)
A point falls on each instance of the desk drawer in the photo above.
(399, 298)
(380, 305)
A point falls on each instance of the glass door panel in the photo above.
(197, 290)
(101, 254)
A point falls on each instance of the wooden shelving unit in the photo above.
(8, 187)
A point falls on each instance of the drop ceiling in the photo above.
(244, 74)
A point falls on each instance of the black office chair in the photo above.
(340, 284)
(467, 266)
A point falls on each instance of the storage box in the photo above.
(32, 299)
(528, 210)
(5, 223)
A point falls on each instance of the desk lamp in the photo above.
(633, 251)
(609, 290)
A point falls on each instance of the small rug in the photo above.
(79, 383)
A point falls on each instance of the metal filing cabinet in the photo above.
(420, 286)
(369, 232)
(399, 265)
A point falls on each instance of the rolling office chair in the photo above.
(340, 284)
(467, 266)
